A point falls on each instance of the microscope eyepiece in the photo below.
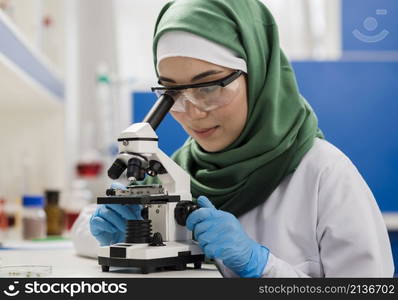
(116, 169)
(159, 110)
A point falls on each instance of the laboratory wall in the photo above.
(309, 29)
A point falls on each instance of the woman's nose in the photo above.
(193, 112)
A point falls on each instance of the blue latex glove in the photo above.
(108, 222)
(221, 236)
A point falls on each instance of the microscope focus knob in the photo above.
(182, 210)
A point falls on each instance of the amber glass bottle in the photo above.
(55, 215)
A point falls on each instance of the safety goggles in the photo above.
(205, 96)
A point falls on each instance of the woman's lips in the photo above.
(204, 133)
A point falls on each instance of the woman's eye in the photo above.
(173, 93)
(208, 89)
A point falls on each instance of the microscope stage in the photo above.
(144, 199)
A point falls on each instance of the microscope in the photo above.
(160, 240)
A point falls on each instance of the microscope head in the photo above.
(137, 144)
(140, 155)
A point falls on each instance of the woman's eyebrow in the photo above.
(205, 74)
(195, 78)
(161, 78)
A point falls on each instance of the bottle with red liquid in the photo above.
(3, 220)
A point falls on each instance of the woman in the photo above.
(276, 199)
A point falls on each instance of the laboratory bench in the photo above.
(65, 263)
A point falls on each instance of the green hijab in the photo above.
(281, 126)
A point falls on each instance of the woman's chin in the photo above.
(216, 146)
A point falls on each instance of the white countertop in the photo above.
(65, 263)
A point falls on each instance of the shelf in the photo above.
(28, 80)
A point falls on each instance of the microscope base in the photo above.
(172, 256)
(152, 265)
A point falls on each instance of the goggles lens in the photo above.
(205, 98)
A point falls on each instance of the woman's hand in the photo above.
(221, 236)
(108, 222)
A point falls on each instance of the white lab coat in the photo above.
(321, 221)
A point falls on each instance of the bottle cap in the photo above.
(52, 196)
(33, 200)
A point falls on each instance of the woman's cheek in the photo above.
(178, 116)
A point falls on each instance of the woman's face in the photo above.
(216, 129)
